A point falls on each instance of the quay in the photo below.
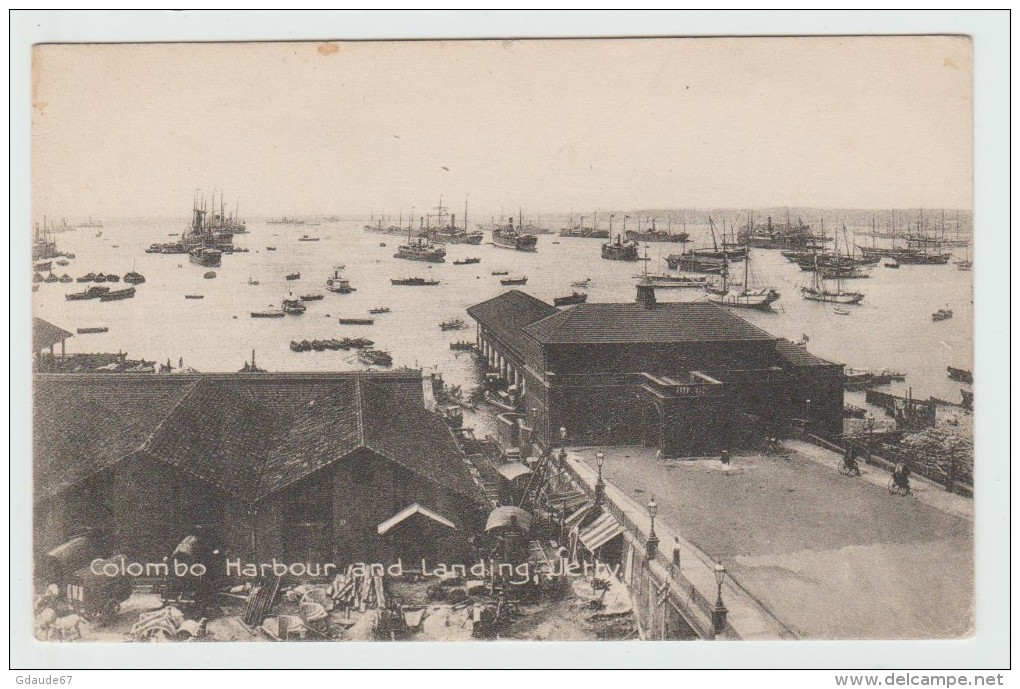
(808, 553)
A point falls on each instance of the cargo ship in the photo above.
(205, 256)
(775, 236)
(508, 237)
(656, 235)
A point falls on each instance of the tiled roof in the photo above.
(507, 315)
(636, 323)
(85, 426)
(249, 435)
(798, 356)
(45, 334)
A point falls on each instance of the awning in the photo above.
(409, 512)
(568, 500)
(502, 516)
(600, 532)
(513, 470)
(575, 518)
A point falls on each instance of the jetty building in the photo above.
(686, 378)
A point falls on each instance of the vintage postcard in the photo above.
(548, 340)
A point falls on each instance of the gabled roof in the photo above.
(506, 315)
(637, 323)
(798, 356)
(249, 435)
(408, 512)
(45, 334)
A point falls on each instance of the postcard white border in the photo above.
(990, 30)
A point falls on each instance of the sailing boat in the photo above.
(744, 298)
(818, 291)
(965, 264)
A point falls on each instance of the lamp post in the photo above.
(600, 485)
(652, 546)
(807, 421)
(719, 610)
(869, 421)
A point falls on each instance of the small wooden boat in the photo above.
(112, 278)
(332, 344)
(453, 324)
(37, 277)
(268, 313)
(575, 298)
(252, 282)
(302, 346)
(891, 264)
(114, 295)
(501, 400)
(306, 238)
(961, 375)
(382, 243)
(514, 281)
(63, 262)
(100, 277)
(375, 357)
(194, 296)
(311, 297)
(51, 278)
(45, 267)
(380, 309)
(466, 261)
(414, 282)
(294, 307)
(88, 277)
(841, 312)
(581, 283)
(942, 315)
(65, 278)
(209, 274)
(355, 321)
(500, 272)
(318, 346)
(270, 248)
(462, 346)
(133, 278)
(293, 276)
(91, 293)
(90, 331)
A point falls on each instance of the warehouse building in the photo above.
(689, 378)
(339, 467)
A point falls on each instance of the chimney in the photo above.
(646, 294)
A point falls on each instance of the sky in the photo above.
(376, 127)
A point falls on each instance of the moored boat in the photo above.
(311, 297)
(65, 278)
(51, 278)
(508, 237)
(375, 357)
(523, 280)
(93, 292)
(209, 274)
(194, 296)
(338, 284)
(92, 331)
(268, 313)
(294, 307)
(114, 295)
(134, 278)
(380, 309)
(292, 276)
(453, 324)
(355, 321)
(942, 315)
(574, 298)
(466, 261)
(413, 282)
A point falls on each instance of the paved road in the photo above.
(833, 557)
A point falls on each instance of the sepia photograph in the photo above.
(592, 339)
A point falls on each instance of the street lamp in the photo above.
(563, 435)
(652, 546)
(719, 610)
(807, 423)
(600, 485)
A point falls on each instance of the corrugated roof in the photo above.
(249, 435)
(507, 315)
(636, 323)
(796, 355)
(45, 334)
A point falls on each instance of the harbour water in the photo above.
(216, 333)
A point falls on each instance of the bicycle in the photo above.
(849, 467)
(896, 488)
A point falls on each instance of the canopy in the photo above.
(409, 512)
(513, 470)
(501, 517)
(576, 517)
(568, 500)
(600, 532)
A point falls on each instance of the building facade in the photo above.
(688, 378)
